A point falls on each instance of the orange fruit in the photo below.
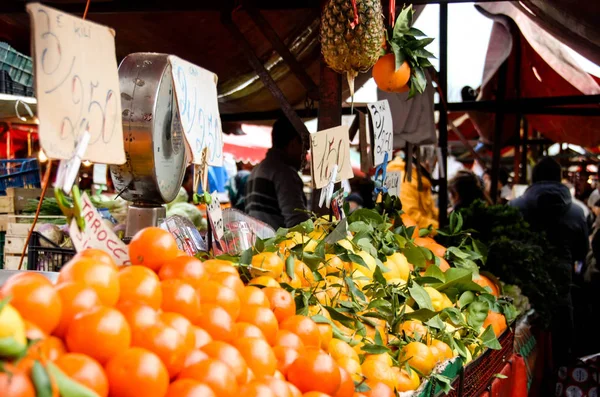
(326, 332)
(152, 247)
(213, 373)
(180, 297)
(443, 264)
(33, 332)
(413, 329)
(165, 342)
(102, 278)
(214, 292)
(410, 222)
(264, 281)
(256, 389)
(251, 296)
(16, 384)
(182, 325)
(201, 337)
(213, 266)
(285, 357)
(497, 321)
(289, 339)
(75, 298)
(419, 357)
(50, 348)
(229, 355)
(137, 372)
(278, 386)
(100, 332)
(35, 299)
(138, 315)
(304, 274)
(266, 264)
(84, 370)
(406, 381)
(184, 268)
(140, 284)
(216, 321)
(258, 355)
(189, 388)
(346, 388)
(429, 243)
(263, 318)
(315, 370)
(194, 356)
(445, 350)
(379, 389)
(97, 255)
(247, 330)
(230, 280)
(305, 328)
(486, 282)
(281, 302)
(339, 349)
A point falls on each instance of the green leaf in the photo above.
(420, 296)
(379, 303)
(421, 315)
(415, 256)
(420, 79)
(354, 290)
(41, 380)
(360, 226)
(304, 227)
(436, 322)
(456, 222)
(289, 267)
(453, 314)
(489, 340)
(246, 257)
(466, 298)
(5, 302)
(457, 253)
(500, 376)
(434, 271)
(378, 277)
(366, 215)
(477, 313)
(403, 21)
(415, 32)
(343, 319)
(374, 349)
(378, 338)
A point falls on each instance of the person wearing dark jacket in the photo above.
(548, 207)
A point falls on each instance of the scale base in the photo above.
(140, 217)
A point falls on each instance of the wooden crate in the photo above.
(11, 262)
(3, 222)
(14, 244)
(16, 199)
(19, 225)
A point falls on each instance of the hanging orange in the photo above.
(387, 77)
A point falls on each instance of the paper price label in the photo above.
(97, 234)
(196, 94)
(99, 174)
(383, 131)
(392, 182)
(215, 216)
(328, 148)
(77, 85)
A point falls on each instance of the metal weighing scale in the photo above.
(154, 141)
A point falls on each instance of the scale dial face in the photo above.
(154, 141)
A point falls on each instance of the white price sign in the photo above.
(77, 85)
(97, 234)
(392, 182)
(99, 174)
(383, 131)
(196, 93)
(328, 148)
(215, 216)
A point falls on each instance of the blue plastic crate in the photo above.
(19, 173)
(18, 66)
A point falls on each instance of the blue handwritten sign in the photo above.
(196, 93)
(77, 85)
(383, 131)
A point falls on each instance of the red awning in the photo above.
(251, 147)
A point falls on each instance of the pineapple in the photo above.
(349, 48)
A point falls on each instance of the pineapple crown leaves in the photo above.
(408, 45)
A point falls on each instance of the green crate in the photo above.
(2, 239)
(18, 66)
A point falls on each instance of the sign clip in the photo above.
(327, 191)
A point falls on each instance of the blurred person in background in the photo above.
(354, 201)
(504, 189)
(236, 188)
(589, 215)
(595, 195)
(275, 191)
(464, 189)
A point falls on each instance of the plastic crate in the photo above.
(18, 66)
(44, 255)
(8, 86)
(19, 173)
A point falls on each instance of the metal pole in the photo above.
(443, 119)
(523, 178)
(497, 144)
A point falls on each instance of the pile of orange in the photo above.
(172, 325)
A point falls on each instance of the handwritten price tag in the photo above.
(383, 131)
(392, 182)
(196, 93)
(99, 174)
(215, 216)
(77, 85)
(97, 234)
(328, 148)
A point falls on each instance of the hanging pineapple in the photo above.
(352, 34)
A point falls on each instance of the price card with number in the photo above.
(196, 93)
(392, 182)
(382, 131)
(328, 148)
(77, 85)
(215, 216)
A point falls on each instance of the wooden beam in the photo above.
(499, 129)
(443, 118)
